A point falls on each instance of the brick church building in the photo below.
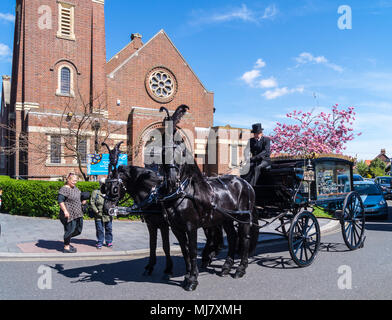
(59, 61)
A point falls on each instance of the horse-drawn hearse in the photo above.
(294, 187)
(182, 198)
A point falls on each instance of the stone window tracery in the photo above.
(161, 84)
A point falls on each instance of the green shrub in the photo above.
(38, 198)
(30, 198)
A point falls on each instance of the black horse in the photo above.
(192, 202)
(139, 183)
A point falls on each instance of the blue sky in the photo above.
(264, 59)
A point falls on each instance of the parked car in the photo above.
(386, 184)
(373, 199)
(358, 177)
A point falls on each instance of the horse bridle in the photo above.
(115, 187)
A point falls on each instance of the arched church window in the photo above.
(65, 80)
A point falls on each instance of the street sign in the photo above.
(98, 164)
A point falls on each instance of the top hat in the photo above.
(257, 128)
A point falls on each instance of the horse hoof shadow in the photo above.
(147, 273)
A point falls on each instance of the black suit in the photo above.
(260, 149)
(261, 158)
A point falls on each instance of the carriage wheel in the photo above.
(304, 239)
(353, 221)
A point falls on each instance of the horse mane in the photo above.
(191, 169)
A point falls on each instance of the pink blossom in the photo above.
(315, 133)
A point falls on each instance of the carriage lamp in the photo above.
(310, 166)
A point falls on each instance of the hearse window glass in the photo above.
(385, 180)
(333, 178)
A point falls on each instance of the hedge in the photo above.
(36, 198)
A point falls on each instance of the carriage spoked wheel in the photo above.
(304, 239)
(353, 221)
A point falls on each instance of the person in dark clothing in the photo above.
(259, 148)
(103, 222)
(71, 214)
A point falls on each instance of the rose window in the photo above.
(161, 84)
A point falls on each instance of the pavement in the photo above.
(29, 238)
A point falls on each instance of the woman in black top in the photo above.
(71, 214)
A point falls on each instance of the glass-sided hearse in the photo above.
(294, 187)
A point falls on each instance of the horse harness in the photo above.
(155, 197)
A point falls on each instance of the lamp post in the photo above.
(96, 126)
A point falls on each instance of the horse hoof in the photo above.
(225, 273)
(204, 265)
(191, 286)
(239, 274)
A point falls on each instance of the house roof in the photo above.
(135, 54)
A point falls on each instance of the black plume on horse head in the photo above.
(113, 155)
(177, 116)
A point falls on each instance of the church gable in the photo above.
(135, 44)
(156, 75)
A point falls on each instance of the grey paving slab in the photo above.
(128, 235)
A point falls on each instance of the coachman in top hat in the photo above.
(260, 149)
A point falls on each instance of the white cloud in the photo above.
(250, 77)
(280, 92)
(270, 12)
(260, 63)
(5, 51)
(7, 17)
(242, 13)
(268, 83)
(306, 57)
(253, 79)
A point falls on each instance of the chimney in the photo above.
(383, 152)
(137, 40)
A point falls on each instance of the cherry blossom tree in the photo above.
(314, 133)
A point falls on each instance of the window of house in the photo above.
(65, 80)
(2, 155)
(66, 21)
(234, 156)
(2, 161)
(55, 149)
(82, 150)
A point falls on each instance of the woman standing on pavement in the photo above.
(71, 214)
(103, 222)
